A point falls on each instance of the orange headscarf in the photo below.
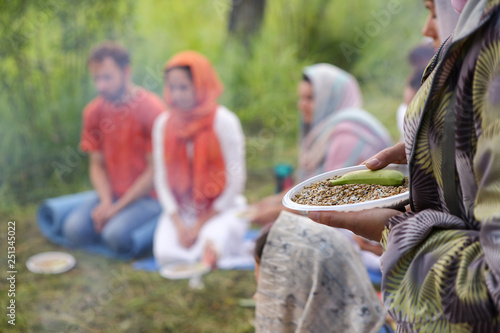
(201, 180)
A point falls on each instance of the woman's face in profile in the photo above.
(431, 28)
(306, 102)
(181, 89)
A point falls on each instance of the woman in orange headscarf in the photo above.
(199, 156)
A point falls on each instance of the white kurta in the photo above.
(225, 230)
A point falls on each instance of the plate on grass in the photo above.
(394, 201)
(51, 262)
(184, 270)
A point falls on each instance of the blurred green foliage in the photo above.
(45, 85)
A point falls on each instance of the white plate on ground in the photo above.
(51, 262)
(183, 270)
(390, 202)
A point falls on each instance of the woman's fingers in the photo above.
(395, 154)
(331, 219)
(366, 223)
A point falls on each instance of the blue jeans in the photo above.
(78, 228)
(386, 329)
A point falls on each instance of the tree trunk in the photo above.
(246, 18)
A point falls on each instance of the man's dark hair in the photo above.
(306, 78)
(110, 49)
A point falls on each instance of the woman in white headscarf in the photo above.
(334, 131)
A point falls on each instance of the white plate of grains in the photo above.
(184, 271)
(316, 193)
(53, 262)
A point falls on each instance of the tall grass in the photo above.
(44, 87)
(45, 83)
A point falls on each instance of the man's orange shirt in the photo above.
(122, 133)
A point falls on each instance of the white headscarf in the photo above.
(337, 99)
(333, 90)
(458, 5)
(447, 18)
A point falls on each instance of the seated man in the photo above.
(117, 135)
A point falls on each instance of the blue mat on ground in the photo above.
(149, 264)
(246, 263)
(51, 214)
(375, 276)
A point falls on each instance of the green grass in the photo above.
(104, 295)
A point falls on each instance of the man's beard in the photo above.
(118, 95)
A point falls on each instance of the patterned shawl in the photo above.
(312, 280)
(441, 267)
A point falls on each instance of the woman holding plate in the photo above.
(441, 265)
